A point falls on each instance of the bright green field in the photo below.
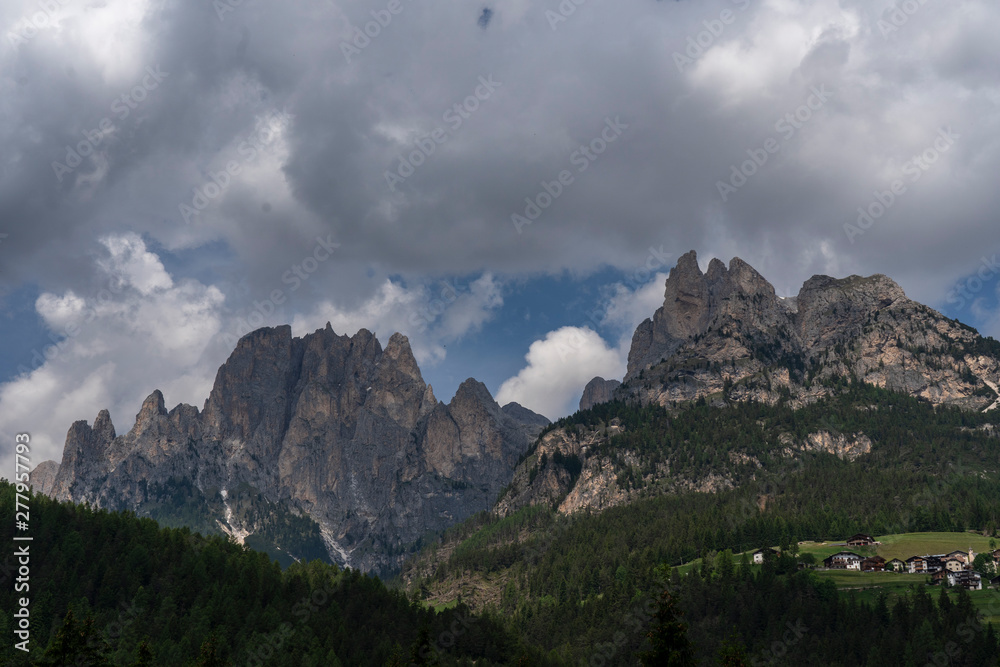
(919, 544)
(866, 585)
(905, 545)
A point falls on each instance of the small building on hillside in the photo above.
(761, 554)
(952, 564)
(895, 565)
(916, 565)
(844, 560)
(996, 555)
(961, 555)
(995, 582)
(966, 579)
(940, 577)
(861, 540)
(873, 564)
(933, 563)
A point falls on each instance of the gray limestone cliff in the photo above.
(725, 335)
(43, 477)
(326, 427)
(597, 391)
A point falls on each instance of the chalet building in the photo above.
(995, 581)
(952, 564)
(966, 579)
(965, 556)
(844, 560)
(861, 540)
(940, 577)
(933, 563)
(761, 554)
(915, 565)
(873, 564)
(924, 564)
(895, 565)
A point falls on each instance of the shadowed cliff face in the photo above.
(597, 391)
(725, 333)
(332, 427)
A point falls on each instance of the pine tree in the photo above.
(76, 644)
(209, 655)
(671, 646)
(144, 657)
(733, 654)
(423, 653)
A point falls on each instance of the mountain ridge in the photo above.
(331, 428)
(333, 444)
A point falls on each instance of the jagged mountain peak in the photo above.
(727, 328)
(103, 426)
(332, 428)
(398, 351)
(472, 390)
(598, 390)
(151, 407)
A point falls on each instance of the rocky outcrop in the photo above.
(531, 422)
(839, 444)
(725, 335)
(597, 391)
(43, 477)
(330, 427)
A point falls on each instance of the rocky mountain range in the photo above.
(724, 336)
(726, 332)
(322, 440)
(331, 445)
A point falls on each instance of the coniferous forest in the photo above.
(611, 588)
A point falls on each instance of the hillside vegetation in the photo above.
(111, 588)
(563, 578)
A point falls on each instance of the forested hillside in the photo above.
(563, 578)
(110, 588)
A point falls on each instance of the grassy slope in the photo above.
(919, 544)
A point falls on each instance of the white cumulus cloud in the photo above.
(559, 366)
(429, 315)
(143, 331)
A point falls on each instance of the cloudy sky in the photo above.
(506, 183)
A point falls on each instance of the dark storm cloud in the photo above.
(701, 86)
